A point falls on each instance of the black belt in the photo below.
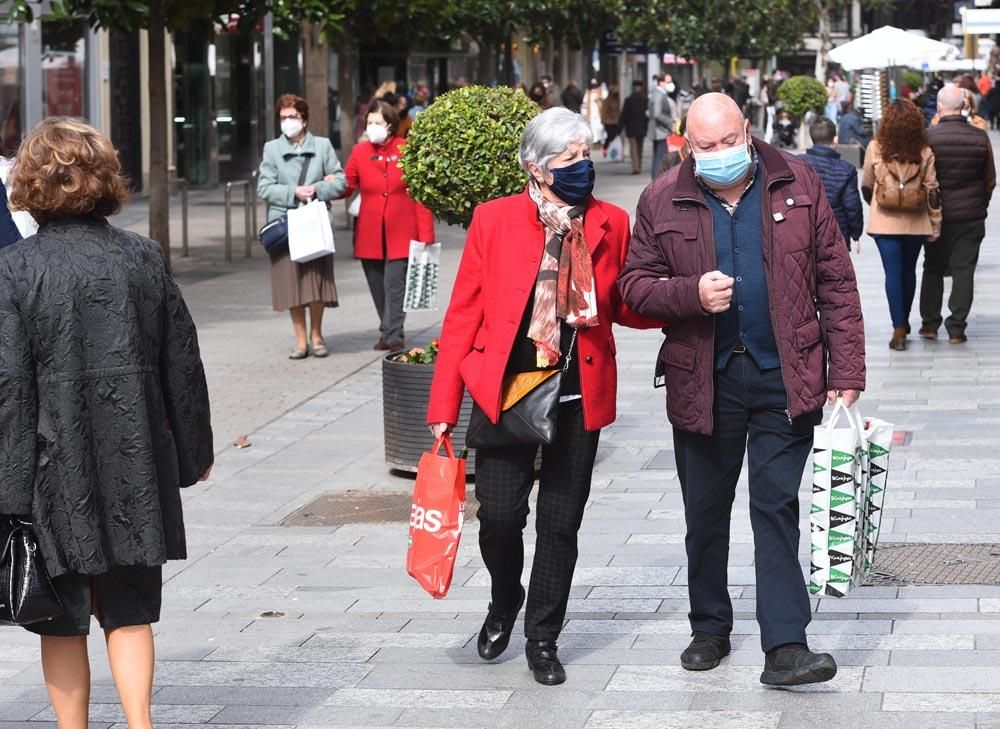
(740, 348)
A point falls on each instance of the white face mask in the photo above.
(377, 133)
(291, 127)
(670, 87)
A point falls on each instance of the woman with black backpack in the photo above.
(900, 184)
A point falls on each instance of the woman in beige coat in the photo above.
(900, 184)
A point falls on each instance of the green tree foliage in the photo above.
(462, 151)
(802, 94)
(717, 30)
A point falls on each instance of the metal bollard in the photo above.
(247, 203)
(229, 222)
(183, 185)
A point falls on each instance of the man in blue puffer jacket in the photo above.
(840, 179)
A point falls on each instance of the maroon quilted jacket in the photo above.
(815, 308)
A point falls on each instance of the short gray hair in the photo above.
(549, 133)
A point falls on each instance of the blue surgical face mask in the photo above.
(573, 184)
(725, 167)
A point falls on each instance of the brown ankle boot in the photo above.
(898, 341)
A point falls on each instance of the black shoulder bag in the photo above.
(274, 235)
(525, 418)
(26, 592)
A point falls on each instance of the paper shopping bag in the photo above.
(436, 518)
(310, 234)
(875, 447)
(422, 277)
(837, 463)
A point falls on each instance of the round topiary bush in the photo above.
(802, 94)
(462, 150)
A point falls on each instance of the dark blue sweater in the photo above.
(840, 180)
(739, 249)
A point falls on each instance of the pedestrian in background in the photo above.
(840, 179)
(754, 352)
(104, 415)
(537, 94)
(900, 156)
(662, 113)
(592, 103)
(850, 127)
(611, 110)
(635, 121)
(535, 291)
(389, 219)
(966, 176)
(553, 96)
(572, 97)
(297, 286)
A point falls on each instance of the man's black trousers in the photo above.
(504, 477)
(749, 416)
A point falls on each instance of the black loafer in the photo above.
(705, 652)
(494, 636)
(544, 662)
(793, 664)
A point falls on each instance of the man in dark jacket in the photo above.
(765, 327)
(963, 160)
(636, 124)
(850, 127)
(840, 179)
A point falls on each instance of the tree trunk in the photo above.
(345, 91)
(487, 62)
(159, 190)
(825, 43)
(508, 59)
(316, 70)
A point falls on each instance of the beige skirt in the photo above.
(298, 284)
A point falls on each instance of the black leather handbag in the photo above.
(274, 235)
(26, 592)
(529, 421)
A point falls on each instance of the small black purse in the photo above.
(26, 592)
(531, 420)
(274, 235)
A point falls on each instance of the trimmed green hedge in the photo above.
(462, 150)
(802, 94)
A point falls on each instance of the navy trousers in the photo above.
(750, 417)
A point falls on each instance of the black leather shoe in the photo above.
(495, 634)
(793, 664)
(544, 663)
(705, 652)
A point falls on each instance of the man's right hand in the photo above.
(715, 290)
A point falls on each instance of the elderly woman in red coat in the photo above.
(536, 291)
(388, 221)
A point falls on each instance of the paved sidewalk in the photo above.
(358, 644)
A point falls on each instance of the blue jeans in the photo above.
(659, 152)
(899, 260)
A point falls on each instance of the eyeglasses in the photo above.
(286, 117)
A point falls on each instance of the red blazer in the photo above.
(385, 201)
(499, 266)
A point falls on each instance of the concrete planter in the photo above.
(405, 393)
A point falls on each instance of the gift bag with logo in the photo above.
(422, 277)
(615, 150)
(875, 447)
(310, 234)
(436, 517)
(837, 478)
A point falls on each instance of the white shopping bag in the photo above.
(354, 209)
(837, 478)
(422, 277)
(616, 150)
(875, 447)
(310, 234)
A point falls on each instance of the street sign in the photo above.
(611, 46)
(983, 21)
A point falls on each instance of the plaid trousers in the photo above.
(504, 477)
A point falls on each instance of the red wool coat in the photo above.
(503, 252)
(385, 201)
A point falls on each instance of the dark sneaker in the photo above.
(495, 634)
(544, 662)
(957, 339)
(794, 664)
(928, 333)
(705, 652)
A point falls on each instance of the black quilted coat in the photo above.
(103, 404)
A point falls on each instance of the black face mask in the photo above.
(574, 184)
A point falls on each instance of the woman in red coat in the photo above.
(388, 221)
(536, 287)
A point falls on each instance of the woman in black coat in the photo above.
(104, 411)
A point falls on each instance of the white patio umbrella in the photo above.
(889, 46)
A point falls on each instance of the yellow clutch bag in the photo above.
(516, 387)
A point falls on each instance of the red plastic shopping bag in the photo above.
(436, 518)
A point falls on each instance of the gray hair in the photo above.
(548, 135)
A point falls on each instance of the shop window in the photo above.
(64, 69)
(10, 89)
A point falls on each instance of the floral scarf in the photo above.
(564, 288)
